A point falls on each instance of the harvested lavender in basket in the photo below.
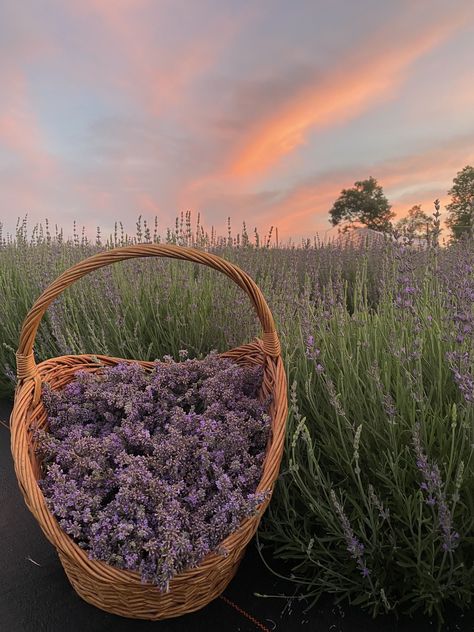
(150, 471)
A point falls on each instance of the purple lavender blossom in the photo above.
(384, 513)
(354, 546)
(150, 471)
(433, 487)
(460, 321)
(385, 395)
(313, 353)
(461, 366)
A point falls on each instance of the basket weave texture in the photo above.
(111, 589)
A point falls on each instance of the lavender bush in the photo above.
(150, 471)
(375, 501)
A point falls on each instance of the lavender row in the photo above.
(378, 343)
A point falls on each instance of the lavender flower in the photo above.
(354, 546)
(383, 512)
(385, 395)
(150, 471)
(461, 366)
(433, 487)
(334, 397)
(313, 353)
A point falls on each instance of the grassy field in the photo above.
(375, 500)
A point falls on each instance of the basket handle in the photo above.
(26, 365)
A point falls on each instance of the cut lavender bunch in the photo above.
(150, 471)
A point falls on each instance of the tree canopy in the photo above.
(417, 223)
(461, 208)
(366, 204)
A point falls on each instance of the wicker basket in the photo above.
(111, 589)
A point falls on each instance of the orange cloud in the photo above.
(367, 77)
(409, 180)
(304, 208)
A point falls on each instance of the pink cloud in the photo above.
(20, 132)
(142, 55)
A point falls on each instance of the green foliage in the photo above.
(416, 223)
(360, 509)
(461, 208)
(364, 203)
(379, 348)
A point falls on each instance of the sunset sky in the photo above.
(261, 110)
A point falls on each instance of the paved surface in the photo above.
(35, 595)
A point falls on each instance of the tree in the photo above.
(364, 203)
(416, 224)
(461, 208)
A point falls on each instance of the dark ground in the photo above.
(35, 595)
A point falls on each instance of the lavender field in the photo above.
(375, 500)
